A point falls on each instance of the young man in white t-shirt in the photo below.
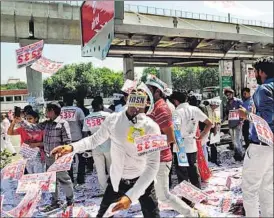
(101, 154)
(131, 176)
(188, 117)
(75, 117)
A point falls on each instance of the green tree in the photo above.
(18, 85)
(150, 70)
(82, 80)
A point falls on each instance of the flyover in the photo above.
(145, 36)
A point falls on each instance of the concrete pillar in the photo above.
(119, 12)
(165, 75)
(60, 10)
(128, 65)
(237, 77)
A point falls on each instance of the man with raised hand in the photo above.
(257, 184)
(131, 175)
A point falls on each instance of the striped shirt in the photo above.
(56, 132)
(163, 117)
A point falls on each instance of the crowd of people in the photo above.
(104, 137)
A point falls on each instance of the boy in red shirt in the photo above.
(33, 139)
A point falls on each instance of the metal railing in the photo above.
(191, 15)
(177, 13)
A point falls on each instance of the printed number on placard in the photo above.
(263, 131)
(92, 122)
(68, 114)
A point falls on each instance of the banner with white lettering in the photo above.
(62, 163)
(27, 205)
(150, 143)
(45, 181)
(45, 65)
(14, 170)
(27, 55)
(137, 101)
(27, 152)
(263, 130)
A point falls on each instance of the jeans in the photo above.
(162, 191)
(190, 173)
(246, 133)
(236, 135)
(102, 161)
(148, 201)
(257, 183)
(62, 178)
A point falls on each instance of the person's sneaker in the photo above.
(79, 187)
(49, 208)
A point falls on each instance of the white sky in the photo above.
(72, 54)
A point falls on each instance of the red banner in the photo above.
(27, 55)
(14, 170)
(94, 15)
(82, 213)
(45, 65)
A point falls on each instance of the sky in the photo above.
(250, 10)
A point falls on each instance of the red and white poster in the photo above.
(14, 170)
(62, 164)
(97, 25)
(65, 214)
(190, 192)
(45, 65)
(27, 152)
(233, 115)
(129, 85)
(263, 130)
(226, 204)
(82, 213)
(27, 55)
(68, 114)
(45, 181)
(27, 205)
(150, 143)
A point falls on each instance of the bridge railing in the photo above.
(177, 13)
(191, 15)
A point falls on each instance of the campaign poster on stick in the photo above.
(27, 152)
(27, 55)
(150, 143)
(62, 163)
(263, 130)
(45, 65)
(45, 181)
(129, 85)
(14, 170)
(27, 205)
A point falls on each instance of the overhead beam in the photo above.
(190, 33)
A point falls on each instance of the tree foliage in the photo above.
(82, 80)
(188, 77)
(18, 85)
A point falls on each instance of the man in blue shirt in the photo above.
(257, 184)
(248, 105)
(234, 122)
